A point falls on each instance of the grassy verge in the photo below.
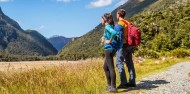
(80, 78)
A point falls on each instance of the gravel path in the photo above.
(175, 80)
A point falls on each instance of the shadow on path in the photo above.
(147, 85)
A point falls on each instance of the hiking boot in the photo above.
(122, 86)
(131, 85)
(108, 88)
(112, 90)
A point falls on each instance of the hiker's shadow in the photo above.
(147, 85)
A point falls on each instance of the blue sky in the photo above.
(69, 18)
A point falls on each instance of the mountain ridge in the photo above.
(59, 42)
(164, 25)
(15, 40)
(88, 45)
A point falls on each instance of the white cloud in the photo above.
(5, 1)
(121, 2)
(66, 1)
(99, 3)
(40, 28)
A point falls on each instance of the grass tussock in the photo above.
(79, 78)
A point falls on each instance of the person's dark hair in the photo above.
(108, 18)
(121, 13)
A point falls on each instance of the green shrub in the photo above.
(148, 53)
(164, 54)
(180, 53)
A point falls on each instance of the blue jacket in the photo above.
(120, 31)
(109, 33)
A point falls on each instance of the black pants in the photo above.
(109, 68)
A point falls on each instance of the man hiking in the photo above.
(124, 55)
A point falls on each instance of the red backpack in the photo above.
(133, 33)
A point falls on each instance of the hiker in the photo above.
(109, 35)
(124, 55)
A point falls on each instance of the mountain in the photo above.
(14, 40)
(164, 24)
(59, 42)
(133, 7)
(88, 45)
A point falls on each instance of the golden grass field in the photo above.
(26, 65)
(63, 77)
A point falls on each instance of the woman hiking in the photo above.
(109, 35)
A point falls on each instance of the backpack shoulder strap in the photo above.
(125, 21)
